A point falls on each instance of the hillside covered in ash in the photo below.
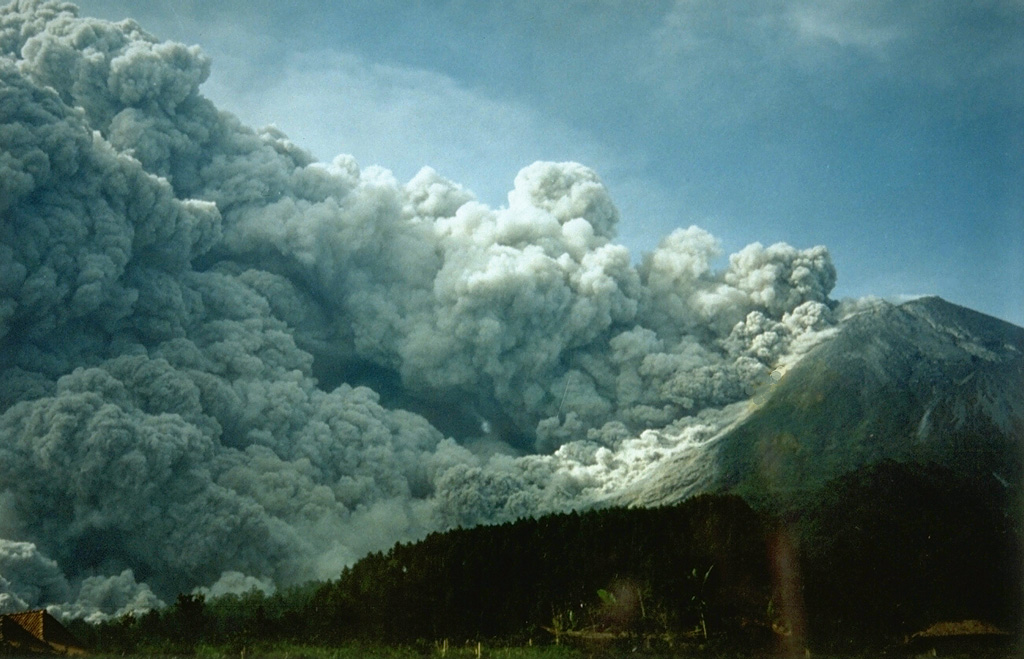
(925, 381)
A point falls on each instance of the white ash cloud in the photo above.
(102, 598)
(236, 583)
(225, 363)
(28, 578)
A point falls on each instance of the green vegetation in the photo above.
(892, 548)
(881, 553)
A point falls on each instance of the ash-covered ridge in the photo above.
(924, 381)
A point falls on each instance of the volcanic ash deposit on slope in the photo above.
(219, 357)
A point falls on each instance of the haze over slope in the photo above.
(190, 309)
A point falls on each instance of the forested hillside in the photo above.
(881, 553)
(617, 570)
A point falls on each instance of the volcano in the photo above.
(923, 381)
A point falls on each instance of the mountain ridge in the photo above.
(924, 381)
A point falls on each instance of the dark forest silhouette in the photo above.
(879, 554)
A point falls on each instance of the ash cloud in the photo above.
(224, 364)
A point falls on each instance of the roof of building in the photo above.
(15, 636)
(40, 626)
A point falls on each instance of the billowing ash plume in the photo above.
(226, 365)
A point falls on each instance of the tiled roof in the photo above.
(45, 631)
(14, 636)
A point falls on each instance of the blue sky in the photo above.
(891, 131)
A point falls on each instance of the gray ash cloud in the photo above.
(222, 361)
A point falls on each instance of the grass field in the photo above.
(473, 651)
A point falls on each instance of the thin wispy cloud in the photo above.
(341, 103)
(847, 25)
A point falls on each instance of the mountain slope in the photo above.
(925, 381)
